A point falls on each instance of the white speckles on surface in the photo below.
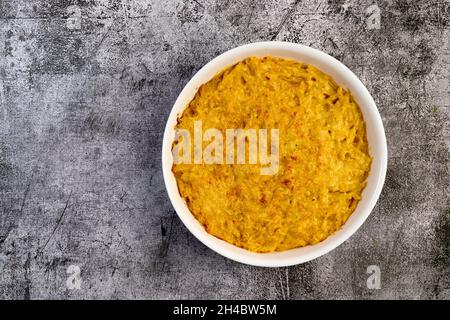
(81, 120)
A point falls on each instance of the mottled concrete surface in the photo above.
(85, 89)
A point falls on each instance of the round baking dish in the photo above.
(375, 135)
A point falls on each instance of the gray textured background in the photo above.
(83, 104)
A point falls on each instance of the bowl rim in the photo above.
(310, 252)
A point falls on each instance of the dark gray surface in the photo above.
(82, 112)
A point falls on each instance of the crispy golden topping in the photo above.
(323, 156)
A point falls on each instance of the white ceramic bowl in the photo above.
(375, 134)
